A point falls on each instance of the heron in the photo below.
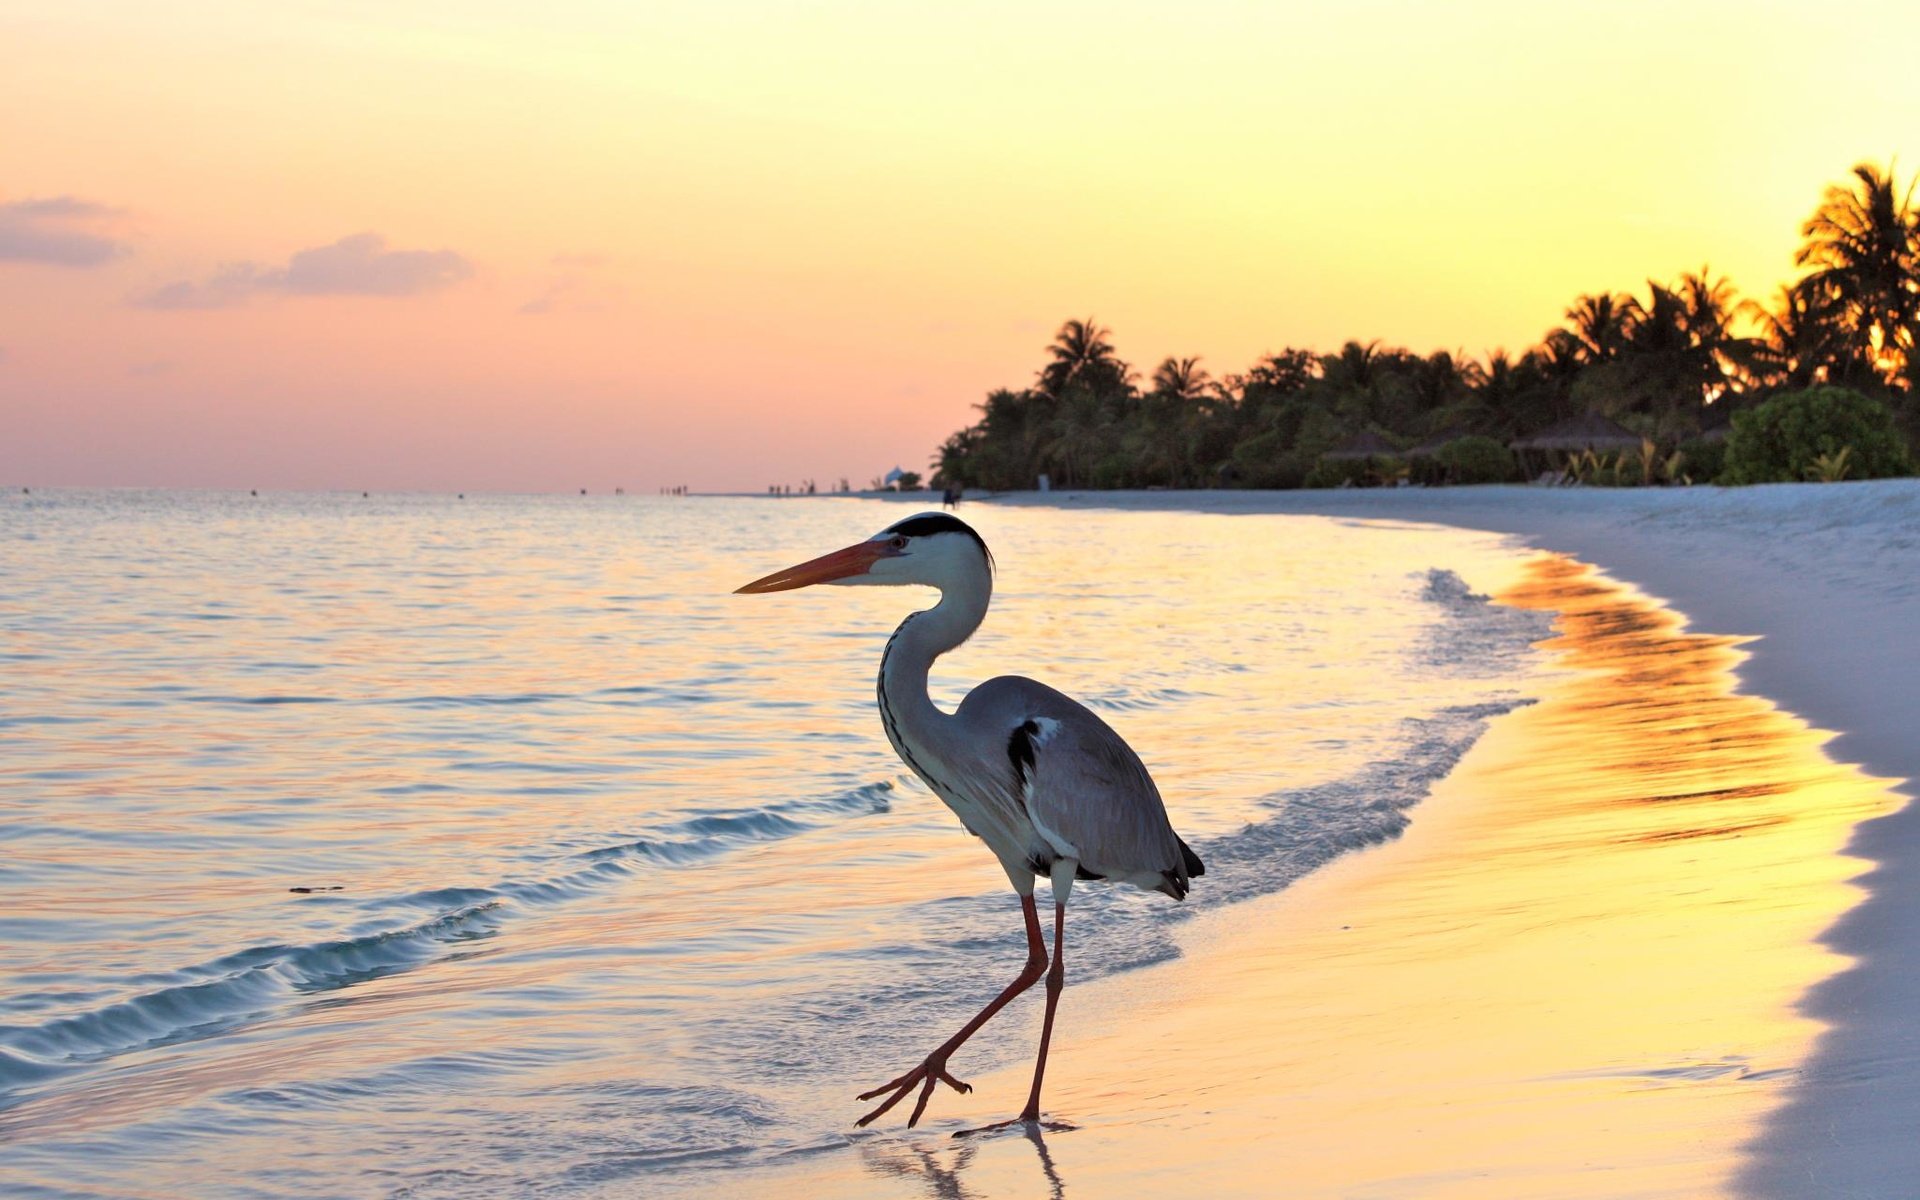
(1050, 788)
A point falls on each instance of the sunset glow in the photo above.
(480, 245)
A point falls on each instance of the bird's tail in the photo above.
(1174, 882)
(1191, 861)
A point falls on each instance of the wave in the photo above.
(242, 988)
(1478, 639)
(1123, 699)
(234, 990)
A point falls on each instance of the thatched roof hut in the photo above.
(1589, 432)
(1365, 446)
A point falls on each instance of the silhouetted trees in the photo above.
(1863, 246)
(1667, 366)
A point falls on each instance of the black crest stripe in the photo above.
(928, 524)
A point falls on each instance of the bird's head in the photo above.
(932, 549)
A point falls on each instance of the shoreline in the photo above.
(1825, 578)
(1546, 985)
(1817, 584)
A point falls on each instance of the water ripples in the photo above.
(499, 830)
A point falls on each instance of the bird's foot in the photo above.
(1029, 1125)
(925, 1076)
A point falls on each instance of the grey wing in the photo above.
(1083, 787)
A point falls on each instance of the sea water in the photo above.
(427, 846)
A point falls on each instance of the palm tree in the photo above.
(1600, 324)
(1498, 407)
(1181, 379)
(1352, 369)
(1282, 373)
(1716, 355)
(1083, 355)
(1863, 245)
(1162, 439)
(1656, 373)
(1801, 343)
(1350, 382)
(956, 463)
(1442, 379)
(1680, 355)
(1013, 429)
(1077, 437)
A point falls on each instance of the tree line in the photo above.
(1671, 365)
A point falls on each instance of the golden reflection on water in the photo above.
(1575, 976)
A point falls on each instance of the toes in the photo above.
(927, 1075)
(898, 1095)
(877, 1113)
(905, 1081)
(926, 1094)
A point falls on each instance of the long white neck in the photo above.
(913, 723)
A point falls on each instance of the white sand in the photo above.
(1827, 577)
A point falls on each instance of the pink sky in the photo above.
(346, 245)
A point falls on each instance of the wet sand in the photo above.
(1577, 974)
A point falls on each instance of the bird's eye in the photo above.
(899, 541)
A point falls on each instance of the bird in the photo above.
(1050, 788)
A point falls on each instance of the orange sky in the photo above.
(492, 245)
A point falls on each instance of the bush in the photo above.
(1703, 461)
(1476, 460)
(1113, 471)
(1782, 440)
(1262, 461)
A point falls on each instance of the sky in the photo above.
(492, 245)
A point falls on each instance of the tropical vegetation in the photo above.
(1823, 433)
(1675, 368)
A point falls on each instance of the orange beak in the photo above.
(841, 564)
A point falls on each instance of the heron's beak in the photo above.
(841, 564)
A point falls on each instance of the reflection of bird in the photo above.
(1051, 789)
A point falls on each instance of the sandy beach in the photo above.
(1656, 935)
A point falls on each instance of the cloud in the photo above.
(228, 287)
(360, 265)
(56, 230)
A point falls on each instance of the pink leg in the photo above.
(1056, 979)
(934, 1069)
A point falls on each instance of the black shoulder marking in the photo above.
(927, 524)
(1042, 865)
(1191, 861)
(1020, 750)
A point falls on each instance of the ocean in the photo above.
(425, 846)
